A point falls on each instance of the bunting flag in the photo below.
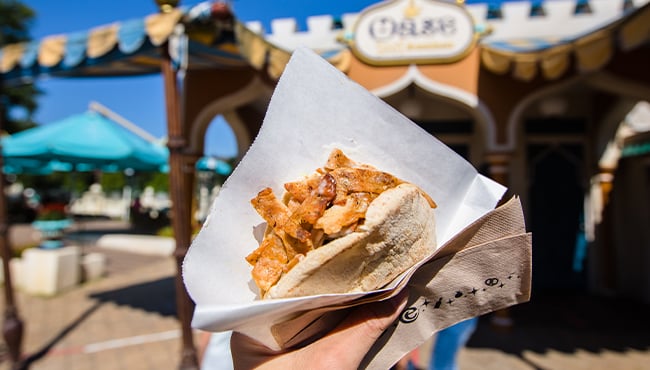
(130, 47)
(552, 58)
(195, 38)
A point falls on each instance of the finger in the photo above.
(370, 320)
(354, 337)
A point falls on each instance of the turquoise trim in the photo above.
(131, 35)
(51, 225)
(29, 55)
(51, 244)
(633, 150)
(75, 49)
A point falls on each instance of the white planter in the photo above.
(50, 271)
(93, 266)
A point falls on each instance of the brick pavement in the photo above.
(126, 321)
(568, 330)
(122, 321)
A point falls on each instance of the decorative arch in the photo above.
(632, 91)
(601, 80)
(476, 108)
(226, 106)
(515, 116)
(609, 82)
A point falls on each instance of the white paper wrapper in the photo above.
(316, 108)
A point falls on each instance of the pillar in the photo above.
(181, 183)
(12, 327)
(603, 257)
(498, 167)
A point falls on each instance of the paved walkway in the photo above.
(123, 321)
(126, 320)
(565, 331)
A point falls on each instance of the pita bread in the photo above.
(399, 231)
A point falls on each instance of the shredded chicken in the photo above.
(328, 204)
(339, 216)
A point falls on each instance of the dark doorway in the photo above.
(556, 205)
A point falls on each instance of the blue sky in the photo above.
(140, 99)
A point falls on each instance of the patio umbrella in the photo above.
(212, 164)
(208, 164)
(85, 141)
(18, 166)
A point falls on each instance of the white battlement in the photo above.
(255, 26)
(284, 26)
(559, 20)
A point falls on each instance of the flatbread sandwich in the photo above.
(346, 228)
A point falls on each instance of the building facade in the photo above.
(533, 96)
(536, 94)
(549, 98)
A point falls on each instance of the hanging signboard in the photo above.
(413, 31)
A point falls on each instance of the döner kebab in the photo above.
(346, 228)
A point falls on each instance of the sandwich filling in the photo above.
(325, 206)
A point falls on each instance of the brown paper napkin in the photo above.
(484, 268)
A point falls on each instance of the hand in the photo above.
(342, 348)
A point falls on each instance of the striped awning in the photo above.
(266, 56)
(527, 58)
(196, 39)
(125, 48)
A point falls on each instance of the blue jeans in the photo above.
(448, 343)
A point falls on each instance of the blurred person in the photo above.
(410, 361)
(214, 351)
(447, 344)
(32, 199)
(30, 204)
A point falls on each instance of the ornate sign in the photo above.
(413, 31)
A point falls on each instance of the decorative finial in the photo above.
(167, 6)
(221, 10)
(411, 10)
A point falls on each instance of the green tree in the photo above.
(112, 182)
(157, 180)
(19, 101)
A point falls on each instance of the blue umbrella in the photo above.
(34, 166)
(208, 164)
(86, 141)
(214, 165)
